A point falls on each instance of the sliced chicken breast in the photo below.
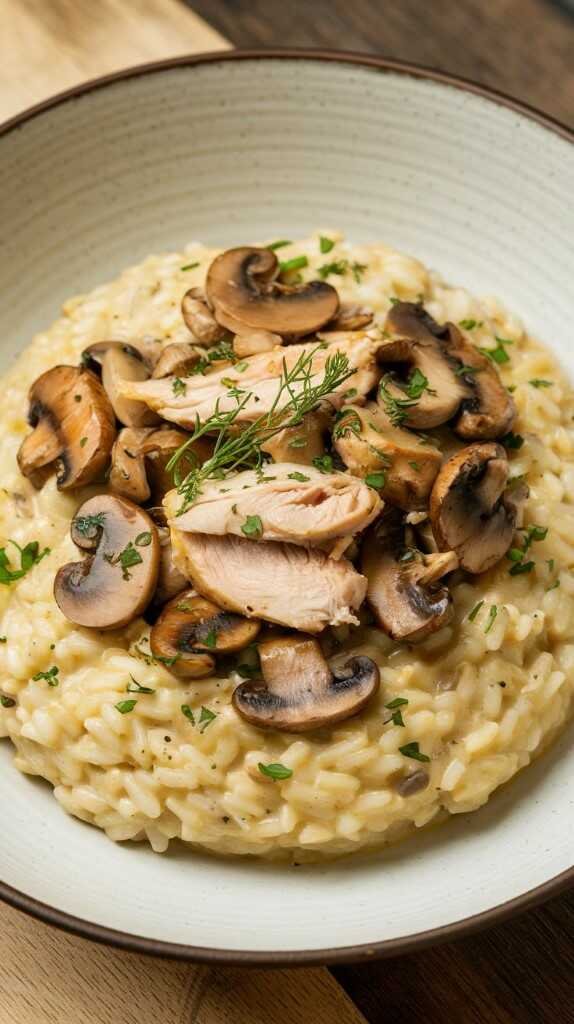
(292, 503)
(294, 586)
(183, 401)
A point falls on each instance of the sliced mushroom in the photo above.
(140, 457)
(370, 446)
(423, 378)
(74, 428)
(176, 360)
(350, 317)
(116, 581)
(199, 318)
(121, 362)
(170, 581)
(472, 512)
(489, 410)
(242, 286)
(404, 588)
(256, 341)
(193, 630)
(300, 691)
(303, 443)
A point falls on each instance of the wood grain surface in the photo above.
(525, 47)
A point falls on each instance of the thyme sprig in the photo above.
(297, 395)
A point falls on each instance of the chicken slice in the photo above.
(302, 507)
(293, 586)
(183, 401)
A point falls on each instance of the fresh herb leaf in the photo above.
(475, 611)
(376, 480)
(324, 463)
(298, 476)
(397, 718)
(511, 440)
(252, 527)
(49, 676)
(206, 716)
(30, 555)
(499, 354)
(210, 639)
(415, 466)
(143, 539)
(88, 525)
(520, 567)
(83, 442)
(412, 750)
(538, 382)
(339, 267)
(189, 266)
(396, 702)
(347, 422)
(417, 384)
(493, 612)
(126, 558)
(297, 263)
(298, 442)
(279, 245)
(7, 702)
(275, 771)
(395, 408)
(393, 300)
(469, 325)
(553, 586)
(325, 244)
(357, 270)
(186, 710)
(515, 554)
(178, 386)
(135, 687)
(466, 371)
(125, 706)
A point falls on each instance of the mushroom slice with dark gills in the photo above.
(293, 586)
(117, 579)
(281, 504)
(200, 396)
(401, 465)
(139, 460)
(242, 290)
(74, 428)
(421, 385)
(300, 691)
(193, 631)
(303, 443)
(405, 589)
(122, 362)
(489, 410)
(472, 510)
(199, 318)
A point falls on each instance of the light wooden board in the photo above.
(47, 977)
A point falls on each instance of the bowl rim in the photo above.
(363, 952)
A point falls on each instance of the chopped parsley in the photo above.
(469, 325)
(339, 267)
(126, 558)
(475, 611)
(397, 702)
(324, 463)
(417, 384)
(393, 300)
(511, 440)
(186, 710)
(499, 354)
(493, 612)
(83, 441)
(325, 244)
(252, 527)
(376, 480)
(206, 717)
(553, 586)
(7, 702)
(357, 270)
(222, 352)
(396, 408)
(143, 539)
(538, 382)
(125, 706)
(348, 422)
(519, 568)
(298, 476)
(135, 687)
(395, 707)
(275, 771)
(189, 266)
(178, 386)
(30, 555)
(416, 466)
(87, 525)
(532, 533)
(210, 639)
(297, 263)
(279, 245)
(49, 676)
(412, 750)
(466, 371)
(298, 442)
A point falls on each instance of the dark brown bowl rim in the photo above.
(343, 954)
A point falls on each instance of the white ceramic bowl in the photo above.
(228, 148)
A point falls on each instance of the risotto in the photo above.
(421, 707)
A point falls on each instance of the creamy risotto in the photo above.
(446, 592)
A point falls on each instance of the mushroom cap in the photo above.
(488, 411)
(350, 317)
(299, 691)
(176, 359)
(199, 318)
(120, 365)
(368, 443)
(241, 285)
(193, 630)
(404, 589)
(471, 511)
(109, 588)
(74, 426)
(303, 443)
(139, 460)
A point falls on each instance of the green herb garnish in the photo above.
(143, 539)
(376, 480)
(324, 463)
(210, 639)
(499, 354)
(252, 527)
(205, 718)
(189, 266)
(520, 567)
(475, 611)
(538, 382)
(339, 267)
(275, 771)
(125, 706)
(186, 710)
(493, 612)
(279, 245)
(469, 325)
(7, 702)
(412, 750)
(297, 263)
(357, 270)
(178, 386)
(395, 408)
(49, 676)
(30, 555)
(298, 476)
(417, 384)
(325, 244)
(87, 525)
(135, 687)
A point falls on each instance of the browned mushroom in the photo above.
(199, 318)
(399, 464)
(192, 631)
(300, 691)
(176, 360)
(256, 341)
(170, 581)
(140, 457)
(302, 443)
(472, 512)
(404, 590)
(350, 317)
(489, 410)
(243, 291)
(116, 581)
(121, 362)
(423, 380)
(74, 428)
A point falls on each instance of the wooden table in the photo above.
(517, 973)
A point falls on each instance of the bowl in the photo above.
(227, 148)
